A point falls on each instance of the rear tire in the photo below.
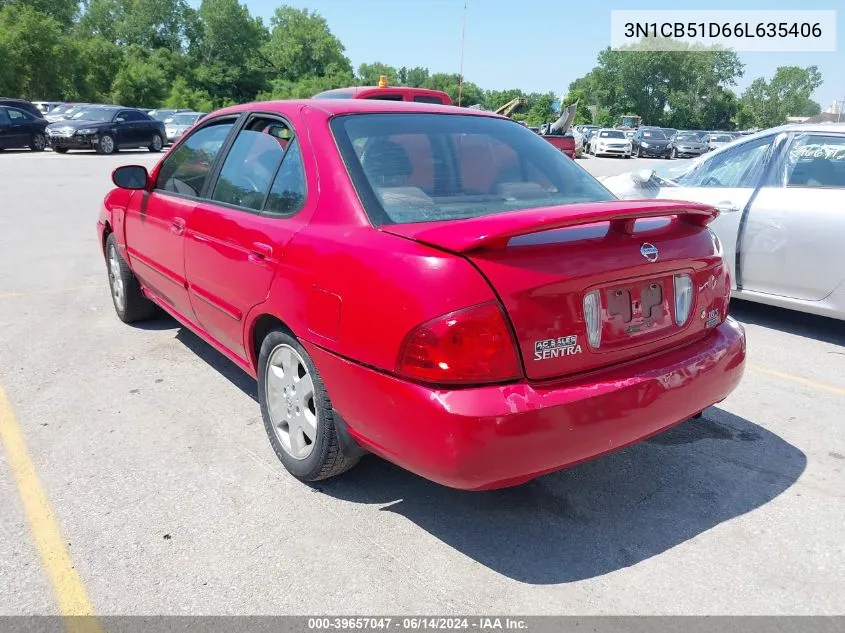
(294, 405)
(156, 144)
(130, 304)
(38, 142)
(60, 150)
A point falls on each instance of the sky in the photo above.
(535, 45)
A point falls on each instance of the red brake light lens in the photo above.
(468, 346)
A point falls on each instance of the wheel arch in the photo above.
(261, 325)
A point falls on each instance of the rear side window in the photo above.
(430, 167)
(428, 99)
(133, 115)
(186, 169)
(252, 163)
(385, 97)
(18, 115)
(816, 160)
(287, 193)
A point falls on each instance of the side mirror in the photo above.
(642, 176)
(130, 177)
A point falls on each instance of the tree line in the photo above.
(154, 53)
(690, 87)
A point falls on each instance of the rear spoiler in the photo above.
(493, 232)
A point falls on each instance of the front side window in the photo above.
(186, 169)
(132, 115)
(252, 163)
(430, 167)
(815, 160)
(740, 166)
(428, 99)
(4, 118)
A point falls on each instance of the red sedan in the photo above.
(438, 286)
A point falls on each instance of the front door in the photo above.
(792, 244)
(19, 129)
(6, 135)
(237, 237)
(727, 181)
(156, 221)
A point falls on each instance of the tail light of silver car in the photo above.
(592, 317)
(683, 298)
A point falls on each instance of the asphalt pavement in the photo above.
(137, 456)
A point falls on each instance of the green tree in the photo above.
(664, 86)
(34, 51)
(369, 74)
(227, 53)
(787, 94)
(416, 77)
(302, 45)
(140, 82)
(63, 11)
(541, 109)
(150, 24)
(183, 96)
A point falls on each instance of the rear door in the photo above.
(237, 236)
(792, 244)
(728, 181)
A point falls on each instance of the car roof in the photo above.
(335, 107)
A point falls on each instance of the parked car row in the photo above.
(87, 126)
(649, 141)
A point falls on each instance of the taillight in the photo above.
(468, 346)
(592, 317)
(683, 298)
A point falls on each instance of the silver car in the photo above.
(781, 193)
(717, 140)
(179, 123)
(687, 144)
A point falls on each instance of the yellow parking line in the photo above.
(797, 379)
(48, 291)
(67, 586)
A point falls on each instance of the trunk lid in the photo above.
(542, 262)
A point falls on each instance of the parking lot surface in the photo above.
(164, 492)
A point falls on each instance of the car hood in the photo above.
(77, 124)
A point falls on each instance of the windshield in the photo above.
(93, 114)
(656, 135)
(62, 109)
(721, 138)
(183, 119)
(429, 167)
(611, 134)
(162, 115)
(688, 137)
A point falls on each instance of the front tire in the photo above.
(156, 144)
(38, 142)
(130, 304)
(60, 150)
(106, 144)
(674, 153)
(297, 412)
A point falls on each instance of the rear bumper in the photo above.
(497, 436)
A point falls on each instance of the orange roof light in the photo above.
(382, 81)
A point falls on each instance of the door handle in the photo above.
(726, 206)
(177, 226)
(259, 251)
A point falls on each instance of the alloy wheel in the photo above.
(291, 401)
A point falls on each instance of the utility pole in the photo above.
(463, 37)
(839, 114)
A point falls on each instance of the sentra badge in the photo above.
(555, 347)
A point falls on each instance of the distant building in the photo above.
(833, 109)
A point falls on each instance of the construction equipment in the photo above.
(512, 106)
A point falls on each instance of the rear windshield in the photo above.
(334, 94)
(429, 167)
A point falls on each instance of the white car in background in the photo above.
(715, 141)
(781, 193)
(610, 142)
